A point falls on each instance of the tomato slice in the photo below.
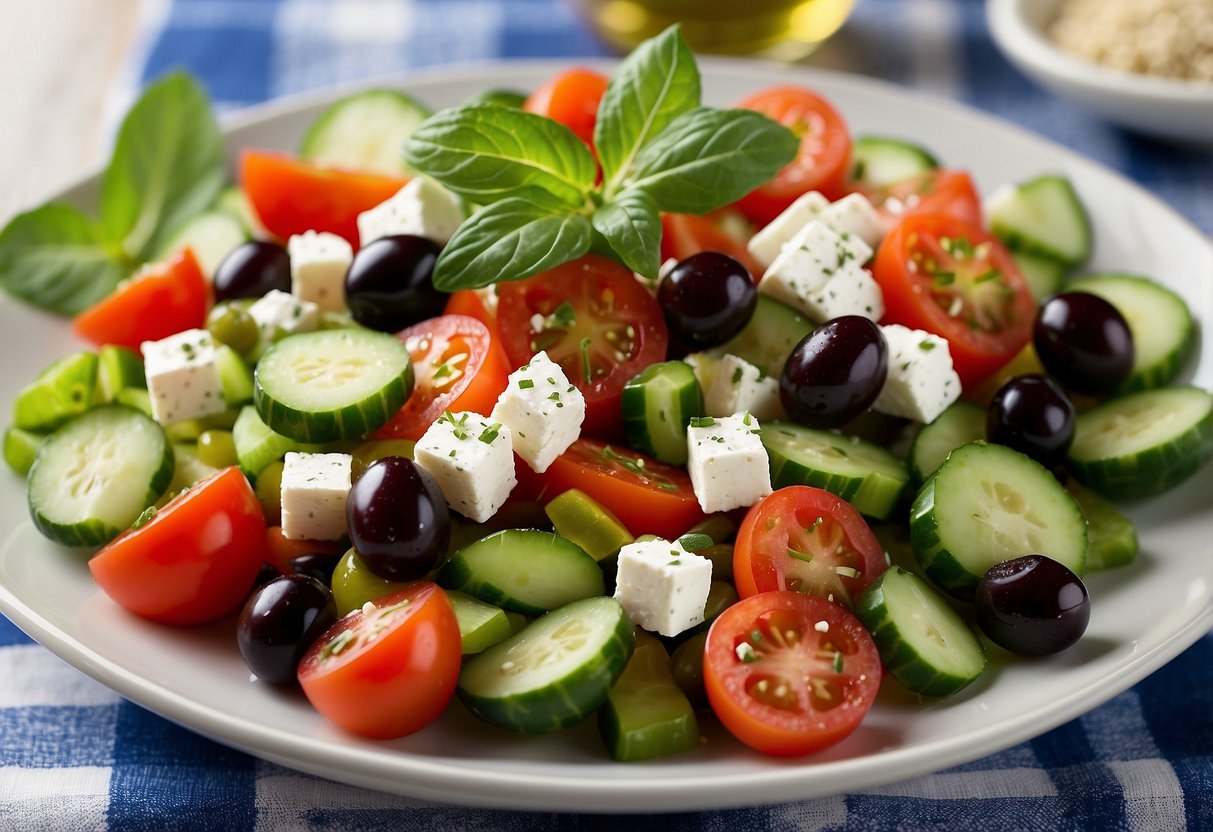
(790, 674)
(454, 368)
(947, 276)
(595, 320)
(649, 497)
(471, 303)
(195, 560)
(821, 164)
(163, 299)
(571, 98)
(386, 670)
(950, 192)
(291, 196)
(685, 234)
(806, 540)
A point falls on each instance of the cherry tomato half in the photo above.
(685, 234)
(571, 98)
(949, 192)
(471, 303)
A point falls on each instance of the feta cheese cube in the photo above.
(183, 376)
(319, 261)
(828, 243)
(422, 208)
(738, 386)
(819, 273)
(472, 459)
(663, 587)
(278, 312)
(314, 492)
(921, 382)
(543, 411)
(854, 215)
(728, 465)
(767, 243)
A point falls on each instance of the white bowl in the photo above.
(1158, 106)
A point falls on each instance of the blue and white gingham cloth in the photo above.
(74, 756)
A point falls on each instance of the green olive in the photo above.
(367, 452)
(721, 556)
(721, 596)
(269, 492)
(354, 584)
(230, 323)
(216, 448)
(686, 665)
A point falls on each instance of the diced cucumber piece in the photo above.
(188, 469)
(234, 375)
(499, 98)
(364, 132)
(1144, 443)
(922, 641)
(1043, 216)
(332, 384)
(118, 368)
(257, 446)
(877, 162)
(987, 504)
(135, 397)
(768, 339)
(20, 449)
(524, 570)
(1043, 274)
(646, 716)
(481, 625)
(211, 236)
(94, 475)
(553, 673)
(1162, 327)
(1111, 536)
(862, 473)
(961, 423)
(580, 518)
(64, 389)
(657, 406)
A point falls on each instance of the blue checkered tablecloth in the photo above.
(74, 756)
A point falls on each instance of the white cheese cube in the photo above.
(828, 243)
(767, 243)
(663, 587)
(472, 459)
(849, 291)
(319, 261)
(314, 492)
(726, 460)
(819, 273)
(543, 411)
(921, 382)
(854, 215)
(183, 376)
(422, 208)
(278, 312)
(738, 386)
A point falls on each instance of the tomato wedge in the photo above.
(195, 560)
(386, 670)
(595, 320)
(790, 674)
(455, 368)
(685, 234)
(947, 276)
(571, 98)
(471, 303)
(950, 192)
(806, 540)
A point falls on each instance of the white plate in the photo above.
(1142, 616)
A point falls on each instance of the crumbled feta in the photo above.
(820, 274)
(183, 376)
(319, 261)
(543, 411)
(921, 382)
(278, 313)
(728, 465)
(422, 208)
(767, 243)
(472, 459)
(736, 385)
(663, 587)
(314, 492)
(854, 215)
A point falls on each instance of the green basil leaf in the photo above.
(486, 153)
(707, 158)
(53, 257)
(632, 227)
(167, 166)
(654, 85)
(511, 239)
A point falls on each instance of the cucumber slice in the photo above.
(523, 570)
(333, 384)
(1043, 216)
(481, 625)
(1144, 443)
(578, 517)
(96, 474)
(768, 339)
(234, 202)
(1043, 274)
(65, 389)
(646, 716)
(987, 504)
(257, 446)
(234, 375)
(865, 475)
(21, 448)
(135, 397)
(877, 162)
(364, 132)
(1162, 327)
(961, 423)
(118, 368)
(1111, 537)
(553, 673)
(211, 236)
(657, 406)
(922, 641)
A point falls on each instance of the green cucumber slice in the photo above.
(234, 375)
(646, 716)
(21, 448)
(332, 384)
(961, 423)
(64, 389)
(580, 518)
(257, 446)
(553, 673)
(97, 473)
(1111, 536)
(481, 625)
(1043, 216)
(922, 641)
(768, 339)
(877, 162)
(364, 132)
(657, 406)
(211, 236)
(118, 368)
(1144, 443)
(1043, 274)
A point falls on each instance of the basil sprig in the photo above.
(542, 202)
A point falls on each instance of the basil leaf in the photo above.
(655, 84)
(708, 158)
(486, 153)
(53, 257)
(509, 240)
(632, 227)
(166, 168)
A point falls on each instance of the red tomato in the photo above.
(454, 369)
(280, 550)
(799, 538)
(390, 671)
(949, 192)
(649, 497)
(291, 196)
(821, 164)
(949, 277)
(161, 300)
(685, 234)
(608, 329)
(468, 302)
(195, 560)
(799, 686)
(571, 98)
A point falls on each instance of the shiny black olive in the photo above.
(251, 270)
(707, 299)
(835, 372)
(1084, 342)
(388, 286)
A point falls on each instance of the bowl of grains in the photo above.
(1144, 64)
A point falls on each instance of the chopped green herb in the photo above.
(490, 433)
(737, 375)
(702, 421)
(525, 384)
(695, 542)
(144, 518)
(585, 360)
